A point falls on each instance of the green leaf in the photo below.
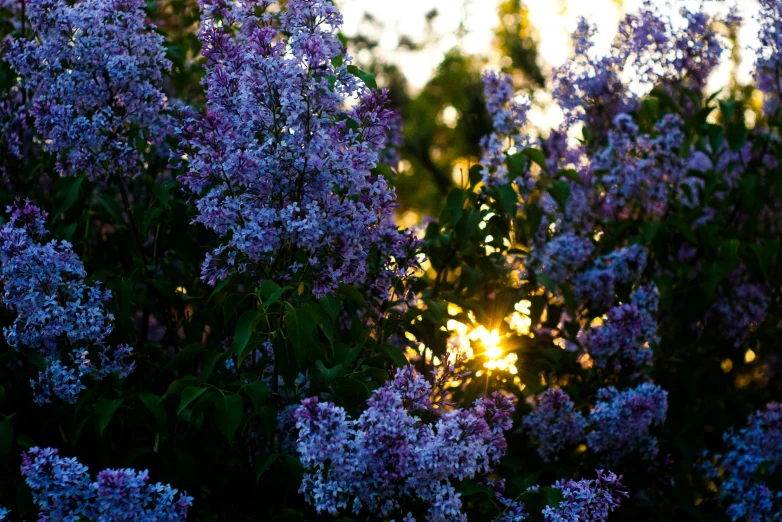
(454, 204)
(285, 357)
(105, 409)
(67, 193)
(331, 305)
(218, 288)
(560, 191)
(189, 394)
(179, 385)
(536, 156)
(245, 327)
(299, 325)
(271, 292)
(6, 436)
(263, 463)
(188, 351)
(394, 355)
(155, 406)
(517, 164)
(228, 413)
(329, 374)
(257, 391)
(367, 78)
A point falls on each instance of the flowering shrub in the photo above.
(605, 294)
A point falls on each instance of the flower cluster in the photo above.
(626, 337)
(392, 452)
(620, 421)
(508, 114)
(753, 454)
(639, 171)
(63, 491)
(555, 423)
(58, 314)
(281, 167)
(12, 128)
(591, 500)
(768, 61)
(739, 307)
(95, 71)
(596, 286)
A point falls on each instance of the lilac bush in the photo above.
(279, 167)
(63, 491)
(399, 447)
(57, 313)
(95, 71)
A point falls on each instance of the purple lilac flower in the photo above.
(555, 424)
(768, 60)
(373, 463)
(63, 491)
(625, 339)
(95, 72)
(596, 286)
(279, 165)
(638, 172)
(620, 421)
(588, 88)
(753, 454)
(57, 313)
(660, 50)
(3, 513)
(561, 256)
(508, 115)
(514, 511)
(588, 500)
(739, 307)
(13, 125)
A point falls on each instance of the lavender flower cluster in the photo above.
(64, 492)
(621, 421)
(587, 500)
(94, 69)
(768, 61)
(618, 424)
(57, 313)
(280, 168)
(508, 115)
(753, 454)
(400, 447)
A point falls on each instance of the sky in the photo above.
(553, 19)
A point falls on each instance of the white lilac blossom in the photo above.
(280, 166)
(752, 455)
(620, 421)
(555, 423)
(94, 69)
(63, 491)
(625, 338)
(57, 313)
(768, 55)
(399, 448)
(508, 113)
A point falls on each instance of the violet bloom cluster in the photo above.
(64, 492)
(401, 449)
(508, 113)
(591, 500)
(686, 52)
(638, 172)
(280, 166)
(739, 307)
(753, 454)
(57, 313)
(596, 286)
(624, 341)
(13, 125)
(3, 513)
(768, 56)
(555, 423)
(561, 256)
(620, 421)
(94, 69)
